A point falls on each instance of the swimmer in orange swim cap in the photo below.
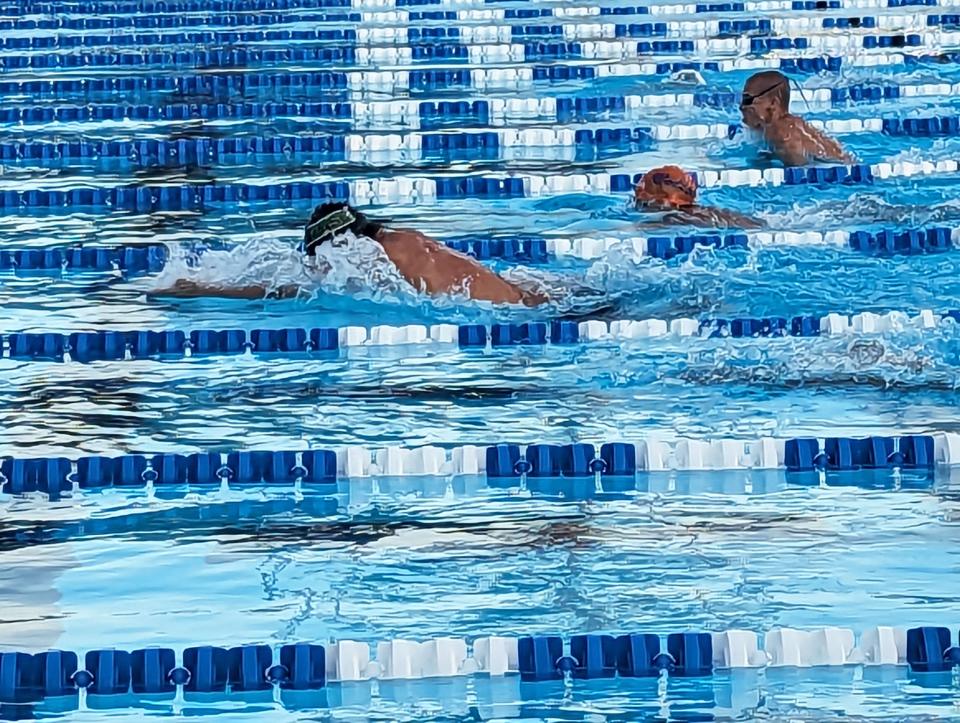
(671, 189)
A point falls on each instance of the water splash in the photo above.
(861, 210)
(349, 266)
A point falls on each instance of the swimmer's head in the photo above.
(766, 97)
(330, 219)
(666, 187)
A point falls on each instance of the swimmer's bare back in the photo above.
(426, 264)
(795, 142)
(435, 268)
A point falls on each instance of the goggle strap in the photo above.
(330, 225)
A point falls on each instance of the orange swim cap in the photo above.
(669, 186)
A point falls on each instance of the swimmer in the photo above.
(427, 265)
(765, 107)
(671, 189)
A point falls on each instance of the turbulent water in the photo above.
(415, 557)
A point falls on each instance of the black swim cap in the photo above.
(330, 219)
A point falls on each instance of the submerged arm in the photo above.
(703, 217)
(185, 289)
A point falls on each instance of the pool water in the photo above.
(417, 557)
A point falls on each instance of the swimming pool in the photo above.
(727, 496)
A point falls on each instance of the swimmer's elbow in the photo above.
(534, 299)
(290, 291)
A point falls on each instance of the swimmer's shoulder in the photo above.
(816, 144)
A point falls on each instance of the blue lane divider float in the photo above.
(342, 54)
(55, 476)
(163, 8)
(931, 126)
(150, 258)
(175, 112)
(117, 345)
(417, 37)
(229, 7)
(951, 20)
(365, 192)
(428, 114)
(122, 9)
(849, 23)
(130, 259)
(146, 21)
(345, 55)
(181, 197)
(312, 666)
(181, 151)
(199, 37)
(893, 242)
(232, 85)
(60, 21)
(341, 147)
(334, 147)
(148, 7)
(885, 242)
(854, 454)
(426, 39)
(226, 84)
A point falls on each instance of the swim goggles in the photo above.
(687, 184)
(748, 98)
(326, 228)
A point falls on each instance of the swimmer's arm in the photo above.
(703, 217)
(185, 289)
(734, 219)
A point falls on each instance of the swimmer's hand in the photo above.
(533, 298)
(187, 289)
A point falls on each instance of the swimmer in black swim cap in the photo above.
(426, 264)
(332, 219)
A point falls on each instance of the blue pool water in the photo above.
(392, 554)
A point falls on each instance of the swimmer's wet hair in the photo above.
(767, 83)
(330, 219)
